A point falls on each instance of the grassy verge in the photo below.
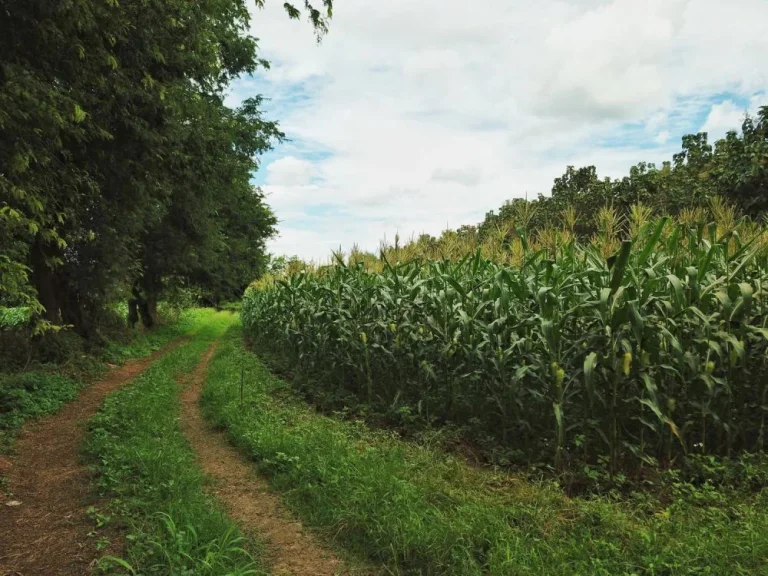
(44, 388)
(145, 466)
(420, 511)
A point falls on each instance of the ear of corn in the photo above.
(637, 352)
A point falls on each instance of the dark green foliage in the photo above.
(13, 318)
(740, 166)
(122, 172)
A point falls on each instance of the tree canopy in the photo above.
(122, 171)
(735, 168)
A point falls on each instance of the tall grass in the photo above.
(645, 344)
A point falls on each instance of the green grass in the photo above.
(145, 466)
(145, 342)
(31, 395)
(45, 388)
(420, 511)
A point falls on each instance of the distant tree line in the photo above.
(735, 169)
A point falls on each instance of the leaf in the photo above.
(120, 562)
(78, 115)
(652, 241)
(650, 386)
(558, 415)
(744, 261)
(590, 365)
(653, 406)
(551, 335)
(759, 331)
(744, 303)
(676, 432)
(705, 265)
(458, 287)
(677, 289)
(620, 265)
(638, 324)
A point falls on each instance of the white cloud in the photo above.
(290, 171)
(435, 111)
(727, 115)
(293, 240)
(467, 177)
(723, 117)
(605, 62)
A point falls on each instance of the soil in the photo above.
(44, 528)
(246, 498)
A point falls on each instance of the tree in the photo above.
(646, 184)
(740, 166)
(736, 168)
(213, 238)
(112, 129)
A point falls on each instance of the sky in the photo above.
(413, 116)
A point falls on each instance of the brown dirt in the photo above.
(245, 496)
(47, 533)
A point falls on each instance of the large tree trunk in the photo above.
(144, 303)
(73, 309)
(133, 312)
(45, 282)
(148, 311)
(57, 293)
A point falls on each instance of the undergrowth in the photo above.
(31, 395)
(63, 366)
(145, 466)
(420, 511)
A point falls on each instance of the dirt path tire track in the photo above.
(245, 496)
(48, 533)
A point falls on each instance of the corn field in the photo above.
(630, 351)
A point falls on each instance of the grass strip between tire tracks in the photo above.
(157, 492)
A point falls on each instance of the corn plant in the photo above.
(635, 351)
